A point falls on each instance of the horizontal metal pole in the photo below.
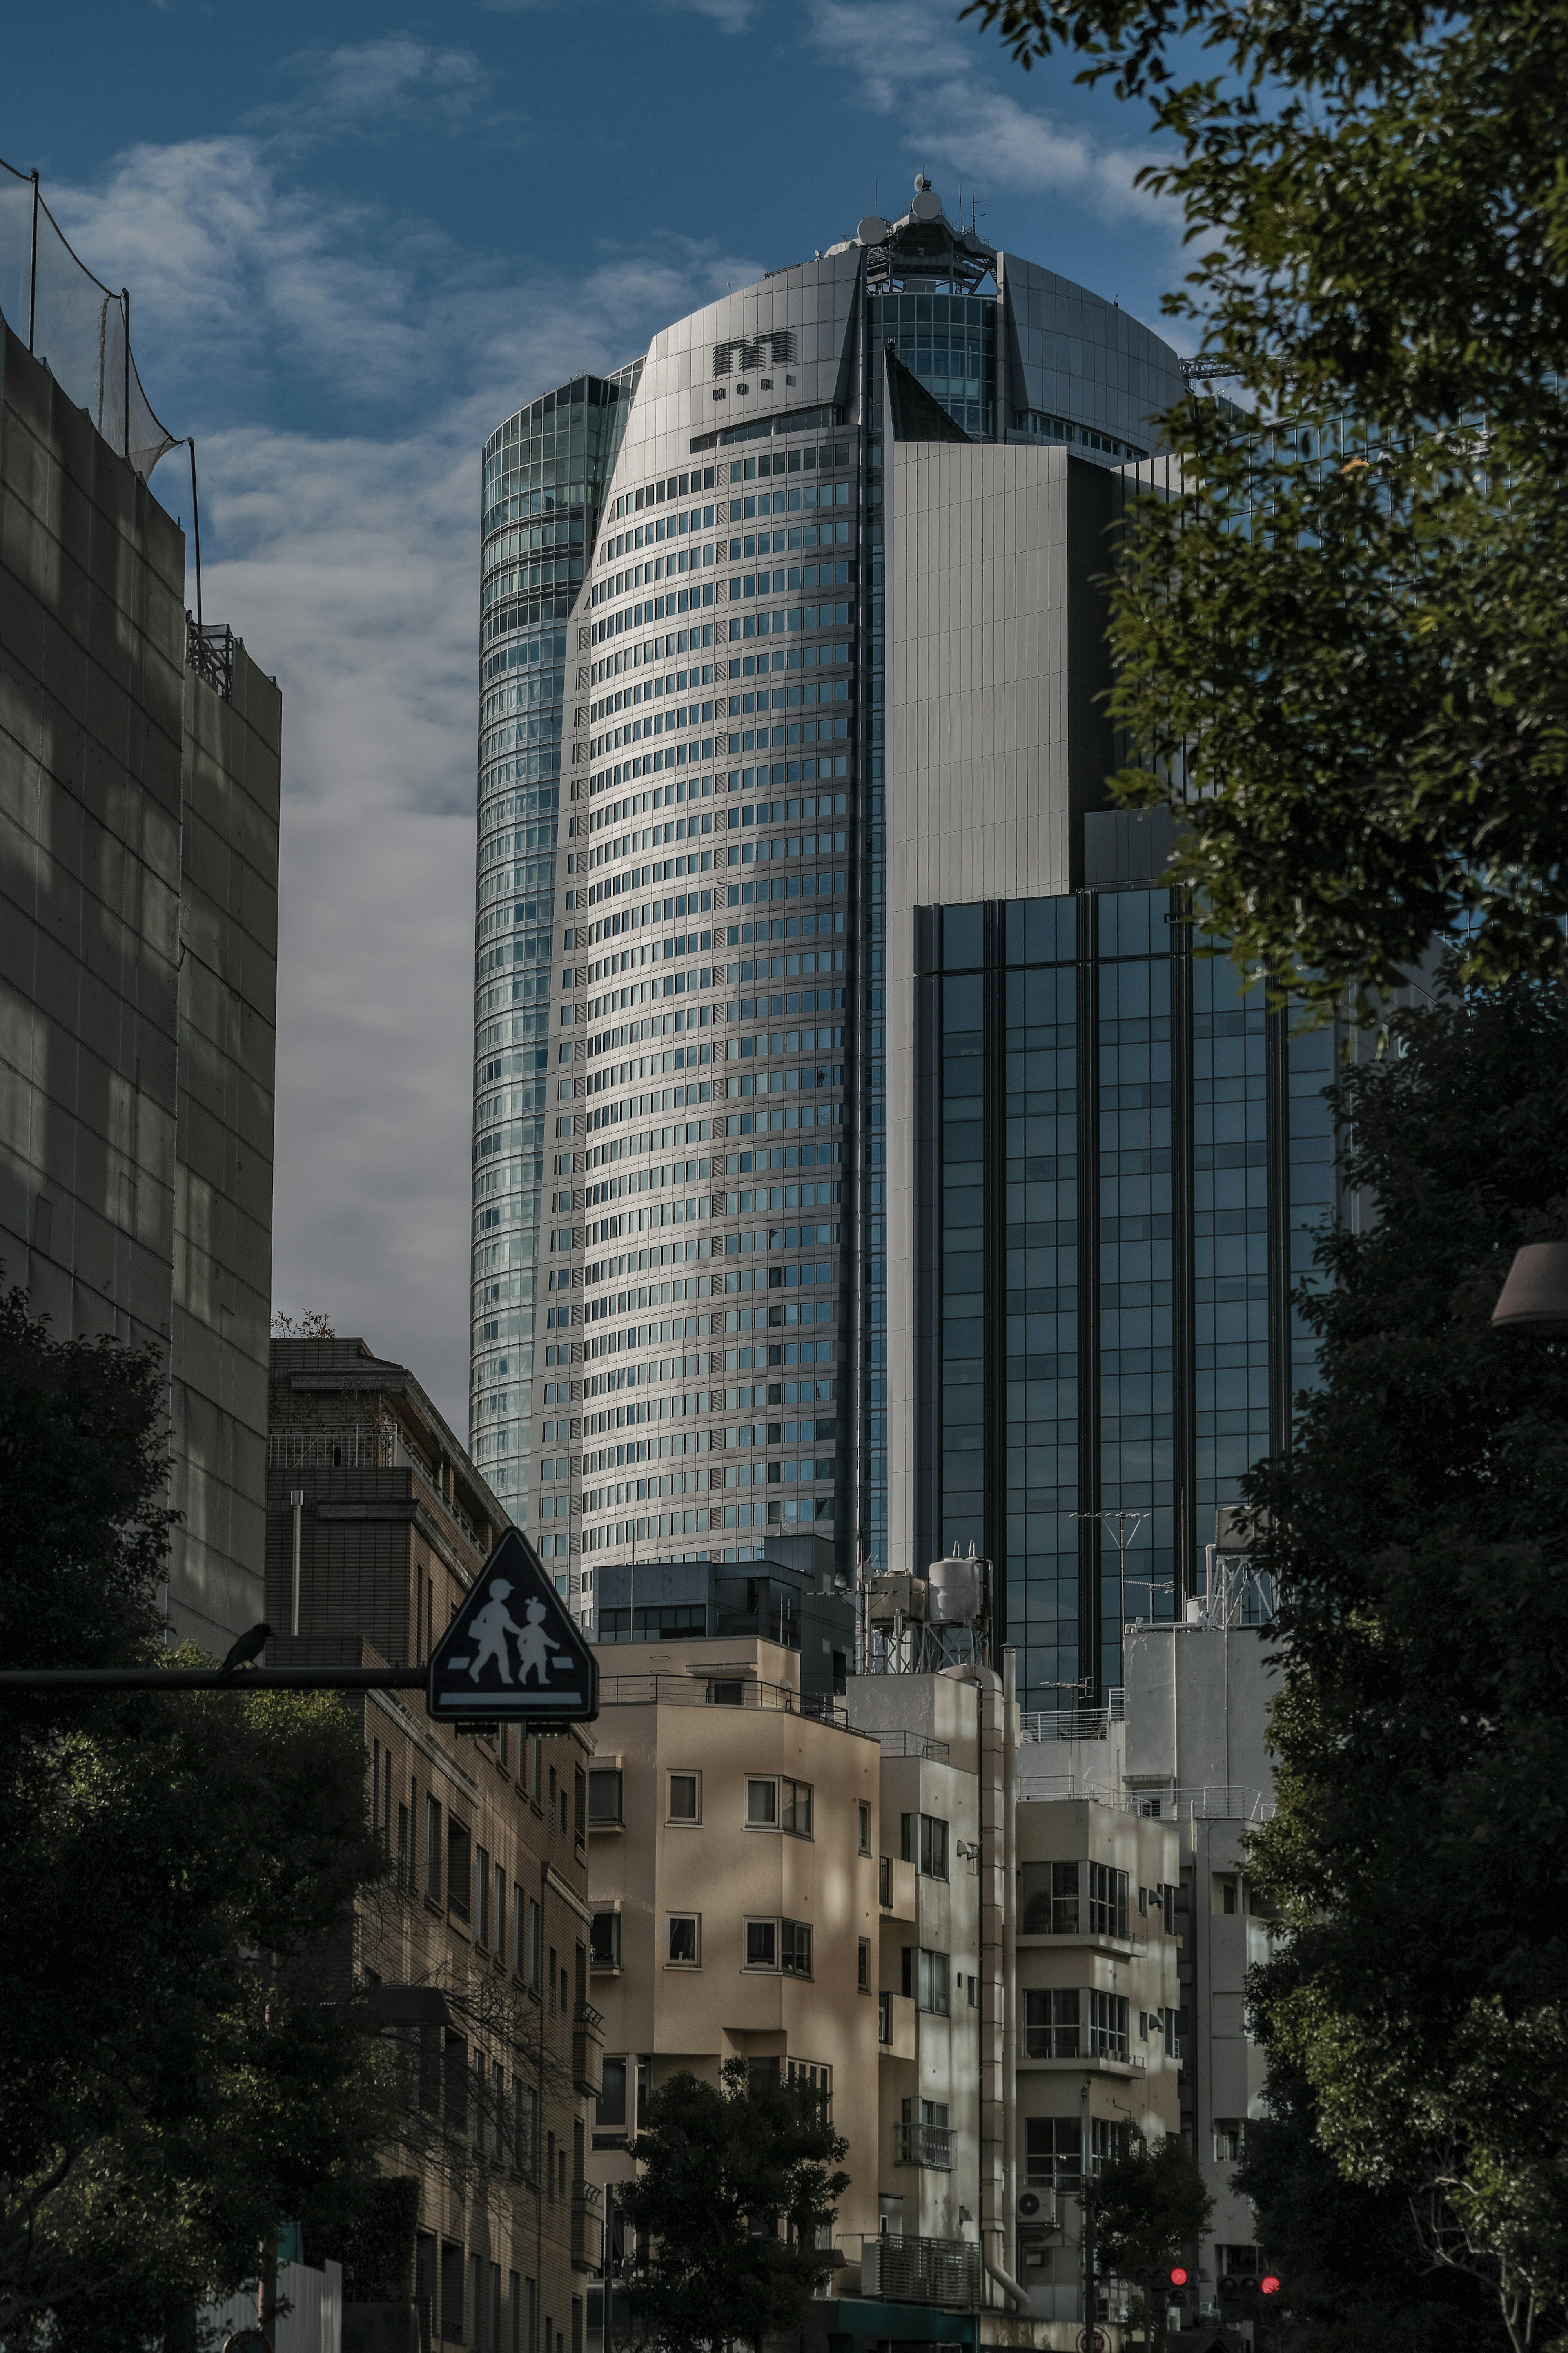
(212, 1679)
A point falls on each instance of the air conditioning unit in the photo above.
(1036, 2206)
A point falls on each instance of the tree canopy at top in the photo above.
(1339, 646)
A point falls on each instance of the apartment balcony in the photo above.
(927, 2145)
(940, 2271)
(896, 1888)
(588, 2227)
(588, 2050)
(895, 2026)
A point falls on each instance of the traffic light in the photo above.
(1270, 2284)
(1246, 2292)
(1178, 2276)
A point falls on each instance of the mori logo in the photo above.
(775, 349)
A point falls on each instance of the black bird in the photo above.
(249, 1646)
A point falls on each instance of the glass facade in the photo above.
(948, 342)
(1119, 1159)
(544, 472)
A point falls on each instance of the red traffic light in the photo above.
(1179, 2277)
(1269, 2284)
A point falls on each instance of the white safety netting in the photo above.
(52, 302)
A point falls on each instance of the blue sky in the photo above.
(354, 241)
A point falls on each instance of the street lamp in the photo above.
(1534, 1299)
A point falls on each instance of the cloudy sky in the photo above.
(355, 240)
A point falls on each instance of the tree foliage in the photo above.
(1338, 646)
(735, 2182)
(1150, 2203)
(182, 2072)
(1419, 1538)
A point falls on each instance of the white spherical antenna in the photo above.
(872, 230)
(927, 206)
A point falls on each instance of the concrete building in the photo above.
(1198, 1701)
(476, 1951)
(634, 1393)
(138, 802)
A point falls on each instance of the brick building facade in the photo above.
(477, 1941)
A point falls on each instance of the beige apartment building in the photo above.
(735, 1827)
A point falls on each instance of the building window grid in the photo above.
(1133, 938)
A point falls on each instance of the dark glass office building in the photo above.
(1119, 1160)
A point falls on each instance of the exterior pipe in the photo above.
(1008, 2284)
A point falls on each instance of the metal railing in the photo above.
(334, 1446)
(725, 1691)
(906, 2270)
(913, 1744)
(927, 2145)
(209, 651)
(1062, 1788)
(1074, 1723)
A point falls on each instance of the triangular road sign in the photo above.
(513, 1651)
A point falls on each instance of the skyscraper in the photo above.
(835, 653)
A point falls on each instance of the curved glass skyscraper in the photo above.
(793, 638)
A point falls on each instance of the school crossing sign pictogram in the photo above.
(512, 1650)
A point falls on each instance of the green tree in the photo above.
(181, 2071)
(1418, 1534)
(1149, 2204)
(1355, 699)
(1355, 2269)
(734, 2188)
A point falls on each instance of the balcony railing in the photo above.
(927, 2145)
(913, 1744)
(723, 1691)
(209, 651)
(940, 2271)
(1073, 1722)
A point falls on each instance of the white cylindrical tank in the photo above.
(957, 1591)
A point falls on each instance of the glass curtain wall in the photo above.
(1121, 1160)
(544, 472)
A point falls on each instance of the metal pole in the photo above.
(296, 1494)
(125, 298)
(33, 271)
(196, 525)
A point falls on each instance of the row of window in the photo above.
(617, 545)
(699, 715)
(825, 656)
(1079, 2022)
(842, 572)
(1070, 1899)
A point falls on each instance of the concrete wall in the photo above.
(91, 682)
(223, 1216)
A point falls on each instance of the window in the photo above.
(761, 1944)
(864, 1811)
(604, 1796)
(457, 1857)
(432, 1849)
(482, 1896)
(685, 1942)
(927, 1976)
(794, 1948)
(1229, 2140)
(1107, 2026)
(685, 1798)
(762, 1803)
(610, 2109)
(604, 1941)
(529, 1951)
(1175, 2034)
(554, 1980)
(795, 1806)
(885, 2018)
(925, 1845)
(1051, 2025)
(885, 1882)
(1107, 1901)
(1054, 2150)
(863, 1965)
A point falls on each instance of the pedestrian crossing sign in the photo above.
(512, 1651)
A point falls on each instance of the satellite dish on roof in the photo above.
(927, 205)
(872, 230)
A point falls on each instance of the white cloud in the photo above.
(348, 561)
(913, 61)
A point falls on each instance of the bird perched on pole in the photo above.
(247, 1647)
